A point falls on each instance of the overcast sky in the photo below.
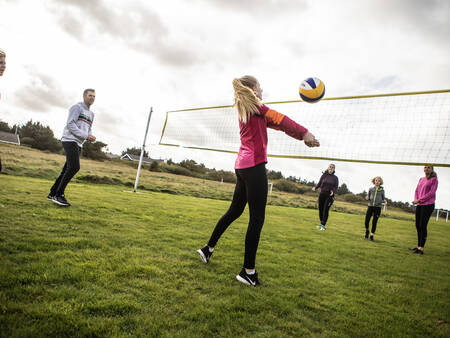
(174, 54)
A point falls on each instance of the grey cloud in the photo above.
(108, 123)
(431, 17)
(41, 94)
(259, 7)
(385, 82)
(136, 26)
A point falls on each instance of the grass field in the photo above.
(122, 264)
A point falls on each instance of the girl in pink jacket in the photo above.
(424, 198)
(250, 168)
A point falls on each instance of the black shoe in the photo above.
(61, 200)
(371, 238)
(205, 254)
(413, 249)
(247, 279)
(367, 234)
(420, 252)
(50, 197)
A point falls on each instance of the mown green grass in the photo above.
(24, 161)
(124, 264)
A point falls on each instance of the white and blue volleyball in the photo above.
(311, 90)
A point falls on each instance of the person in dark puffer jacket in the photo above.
(328, 185)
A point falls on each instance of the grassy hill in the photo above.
(123, 264)
(23, 161)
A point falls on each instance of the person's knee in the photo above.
(73, 168)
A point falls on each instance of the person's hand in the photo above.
(313, 189)
(415, 202)
(331, 193)
(91, 138)
(385, 202)
(310, 140)
(367, 198)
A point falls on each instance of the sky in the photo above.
(173, 54)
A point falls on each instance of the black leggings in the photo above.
(325, 202)
(71, 167)
(375, 211)
(423, 214)
(251, 187)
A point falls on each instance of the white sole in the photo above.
(59, 203)
(244, 281)
(202, 256)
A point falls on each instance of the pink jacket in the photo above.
(426, 191)
(253, 150)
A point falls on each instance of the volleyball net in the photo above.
(401, 128)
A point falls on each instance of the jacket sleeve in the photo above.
(74, 113)
(336, 186)
(278, 121)
(432, 190)
(416, 193)
(383, 196)
(320, 182)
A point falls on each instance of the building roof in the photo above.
(131, 157)
(9, 138)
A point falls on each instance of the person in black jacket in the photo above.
(328, 185)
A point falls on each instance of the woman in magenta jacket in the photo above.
(250, 167)
(424, 198)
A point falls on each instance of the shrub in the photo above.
(287, 186)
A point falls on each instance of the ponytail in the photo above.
(245, 99)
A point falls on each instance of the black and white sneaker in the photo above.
(61, 200)
(247, 279)
(205, 254)
(50, 197)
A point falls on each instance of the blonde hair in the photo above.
(381, 180)
(2, 53)
(245, 99)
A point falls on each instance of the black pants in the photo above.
(251, 187)
(325, 202)
(71, 167)
(423, 214)
(375, 211)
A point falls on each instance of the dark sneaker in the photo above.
(367, 234)
(420, 252)
(205, 254)
(413, 249)
(371, 238)
(61, 200)
(50, 197)
(247, 279)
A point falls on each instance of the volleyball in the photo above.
(311, 90)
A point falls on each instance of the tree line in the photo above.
(36, 135)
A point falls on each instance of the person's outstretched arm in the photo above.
(278, 121)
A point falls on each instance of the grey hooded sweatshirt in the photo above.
(78, 125)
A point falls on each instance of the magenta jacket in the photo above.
(426, 191)
(253, 150)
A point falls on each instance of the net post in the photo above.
(142, 151)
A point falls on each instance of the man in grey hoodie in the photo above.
(76, 131)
